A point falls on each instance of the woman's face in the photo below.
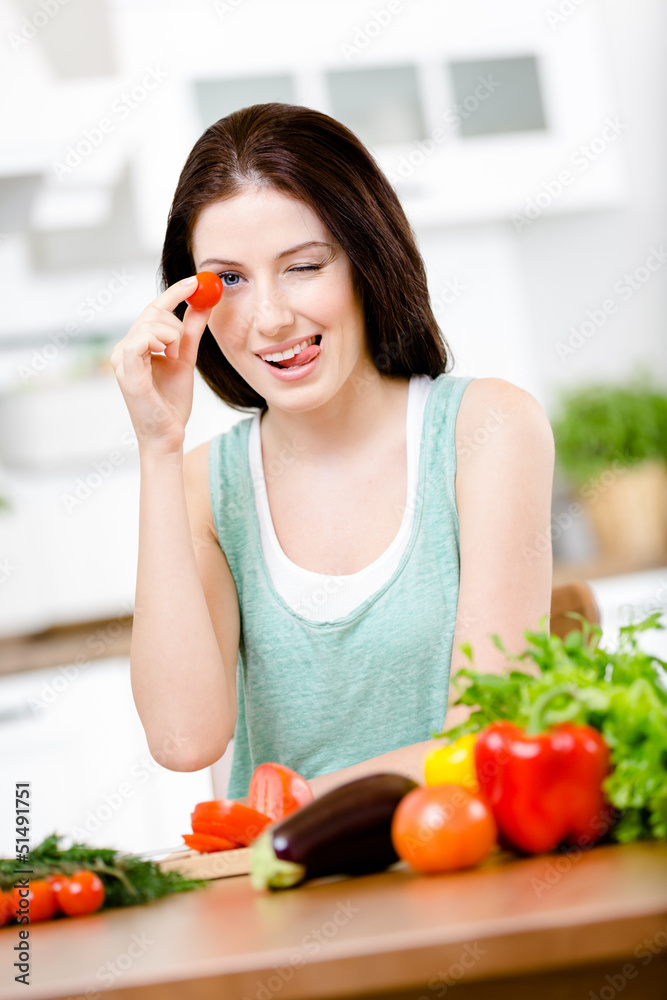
(278, 291)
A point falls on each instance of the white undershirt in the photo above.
(319, 596)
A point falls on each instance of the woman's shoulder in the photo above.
(499, 402)
(494, 409)
(198, 458)
(197, 461)
(212, 463)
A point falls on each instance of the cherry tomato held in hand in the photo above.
(442, 829)
(277, 791)
(81, 893)
(208, 292)
(39, 903)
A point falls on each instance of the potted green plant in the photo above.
(611, 442)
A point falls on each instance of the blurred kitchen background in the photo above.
(526, 142)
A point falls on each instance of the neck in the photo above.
(361, 411)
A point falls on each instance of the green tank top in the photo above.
(321, 696)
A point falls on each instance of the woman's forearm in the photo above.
(178, 678)
(406, 760)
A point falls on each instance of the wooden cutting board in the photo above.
(218, 864)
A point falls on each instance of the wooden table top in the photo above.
(345, 937)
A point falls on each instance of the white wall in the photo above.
(571, 263)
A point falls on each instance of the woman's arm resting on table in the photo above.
(406, 760)
(505, 460)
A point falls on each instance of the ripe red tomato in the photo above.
(6, 908)
(41, 901)
(443, 828)
(81, 893)
(276, 791)
(208, 291)
(55, 881)
(228, 819)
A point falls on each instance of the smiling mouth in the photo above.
(294, 361)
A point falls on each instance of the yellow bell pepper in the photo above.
(453, 764)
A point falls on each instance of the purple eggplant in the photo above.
(347, 831)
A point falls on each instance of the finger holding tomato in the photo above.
(158, 387)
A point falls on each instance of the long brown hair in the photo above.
(318, 161)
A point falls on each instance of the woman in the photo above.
(373, 513)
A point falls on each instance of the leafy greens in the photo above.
(128, 880)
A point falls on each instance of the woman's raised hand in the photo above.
(158, 388)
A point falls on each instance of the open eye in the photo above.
(229, 274)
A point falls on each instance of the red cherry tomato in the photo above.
(82, 893)
(443, 828)
(228, 819)
(41, 901)
(208, 291)
(277, 791)
(7, 908)
(206, 843)
(55, 881)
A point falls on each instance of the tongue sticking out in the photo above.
(301, 359)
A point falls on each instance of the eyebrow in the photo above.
(284, 253)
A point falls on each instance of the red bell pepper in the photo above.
(544, 788)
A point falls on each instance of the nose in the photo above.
(272, 311)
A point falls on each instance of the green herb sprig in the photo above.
(128, 880)
(622, 694)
